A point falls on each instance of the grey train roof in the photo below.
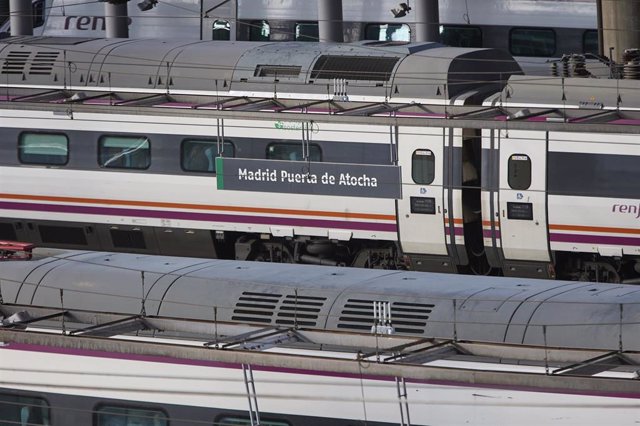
(370, 68)
(584, 93)
(511, 310)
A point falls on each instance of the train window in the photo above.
(23, 410)
(259, 31)
(221, 30)
(532, 42)
(307, 31)
(387, 32)
(461, 35)
(107, 415)
(519, 171)
(38, 13)
(124, 152)
(590, 42)
(246, 421)
(423, 166)
(43, 148)
(292, 151)
(199, 155)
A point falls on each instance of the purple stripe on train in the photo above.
(594, 239)
(487, 233)
(204, 217)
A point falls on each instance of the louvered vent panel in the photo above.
(408, 318)
(15, 62)
(300, 310)
(256, 307)
(43, 63)
(371, 68)
(357, 315)
(277, 71)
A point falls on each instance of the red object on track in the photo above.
(14, 250)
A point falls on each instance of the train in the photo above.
(371, 154)
(115, 338)
(497, 310)
(532, 30)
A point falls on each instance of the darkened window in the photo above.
(23, 410)
(259, 31)
(43, 148)
(307, 31)
(128, 239)
(199, 155)
(519, 171)
(38, 13)
(246, 421)
(221, 30)
(62, 235)
(387, 32)
(532, 42)
(461, 35)
(108, 415)
(590, 42)
(7, 232)
(292, 151)
(593, 175)
(423, 166)
(124, 152)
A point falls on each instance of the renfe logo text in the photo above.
(631, 209)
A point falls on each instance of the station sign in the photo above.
(304, 177)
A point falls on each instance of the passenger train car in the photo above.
(517, 311)
(108, 339)
(532, 30)
(378, 155)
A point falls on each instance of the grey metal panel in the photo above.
(143, 64)
(305, 54)
(578, 91)
(486, 308)
(459, 69)
(199, 66)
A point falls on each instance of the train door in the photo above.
(523, 202)
(421, 208)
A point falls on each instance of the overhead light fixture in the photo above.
(400, 11)
(145, 5)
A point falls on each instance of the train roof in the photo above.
(500, 310)
(381, 69)
(583, 93)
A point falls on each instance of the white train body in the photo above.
(402, 156)
(92, 337)
(292, 388)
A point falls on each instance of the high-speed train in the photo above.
(378, 155)
(113, 339)
(519, 311)
(530, 29)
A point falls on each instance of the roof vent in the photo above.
(369, 68)
(255, 307)
(277, 71)
(300, 310)
(15, 62)
(43, 63)
(409, 318)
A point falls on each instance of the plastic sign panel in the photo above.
(302, 177)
